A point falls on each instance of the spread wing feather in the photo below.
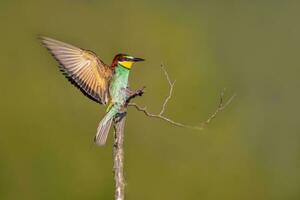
(82, 68)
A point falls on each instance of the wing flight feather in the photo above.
(82, 68)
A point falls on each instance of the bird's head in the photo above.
(125, 60)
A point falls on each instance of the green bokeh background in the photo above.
(250, 151)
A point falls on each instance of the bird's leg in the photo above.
(119, 116)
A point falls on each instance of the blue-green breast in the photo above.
(118, 85)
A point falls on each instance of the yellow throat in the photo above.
(126, 64)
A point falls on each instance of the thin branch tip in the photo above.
(221, 106)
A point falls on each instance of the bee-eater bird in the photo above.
(100, 82)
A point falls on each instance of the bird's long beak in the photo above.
(138, 59)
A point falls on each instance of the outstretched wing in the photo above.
(83, 68)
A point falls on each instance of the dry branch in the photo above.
(118, 156)
(160, 115)
(119, 122)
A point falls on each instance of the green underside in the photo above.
(118, 86)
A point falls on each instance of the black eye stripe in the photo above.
(124, 59)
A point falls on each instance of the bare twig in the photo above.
(118, 156)
(133, 94)
(160, 115)
(170, 91)
(118, 150)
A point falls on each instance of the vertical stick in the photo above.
(118, 157)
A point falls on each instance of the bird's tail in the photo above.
(104, 126)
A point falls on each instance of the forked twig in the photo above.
(160, 115)
(171, 83)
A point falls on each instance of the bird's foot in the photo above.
(119, 116)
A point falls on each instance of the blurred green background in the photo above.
(250, 151)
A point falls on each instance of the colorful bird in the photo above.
(100, 82)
